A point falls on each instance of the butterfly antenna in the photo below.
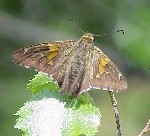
(119, 30)
(72, 21)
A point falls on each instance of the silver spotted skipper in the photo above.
(76, 66)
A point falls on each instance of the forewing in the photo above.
(104, 74)
(45, 57)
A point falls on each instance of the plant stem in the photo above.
(145, 129)
(114, 104)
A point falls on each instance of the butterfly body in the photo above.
(77, 66)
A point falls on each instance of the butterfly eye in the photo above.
(89, 39)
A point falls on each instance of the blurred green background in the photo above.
(26, 22)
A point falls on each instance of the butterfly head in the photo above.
(87, 38)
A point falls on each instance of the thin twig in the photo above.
(145, 129)
(114, 104)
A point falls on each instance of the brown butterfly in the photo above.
(77, 66)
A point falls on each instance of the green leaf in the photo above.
(41, 82)
(49, 112)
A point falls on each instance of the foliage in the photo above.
(48, 112)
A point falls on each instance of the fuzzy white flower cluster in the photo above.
(46, 117)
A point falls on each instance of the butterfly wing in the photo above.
(106, 75)
(101, 73)
(49, 58)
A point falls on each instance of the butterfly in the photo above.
(76, 66)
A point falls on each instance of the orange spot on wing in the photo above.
(53, 47)
(102, 63)
(52, 53)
